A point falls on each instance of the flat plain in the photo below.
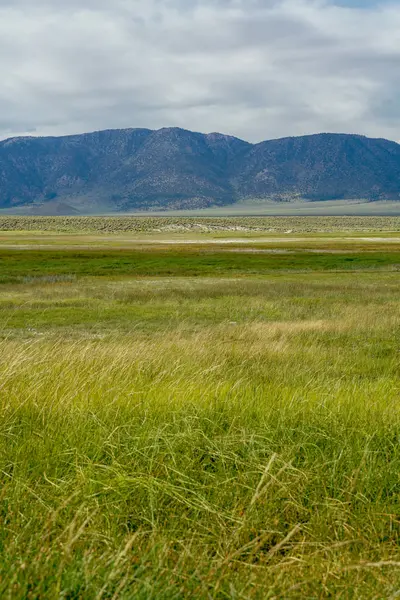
(199, 408)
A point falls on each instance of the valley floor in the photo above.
(200, 420)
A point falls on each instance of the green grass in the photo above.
(192, 262)
(103, 306)
(190, 423)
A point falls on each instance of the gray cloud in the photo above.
(253, 68)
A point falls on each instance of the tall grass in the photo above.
(236, 461)
(199, 437)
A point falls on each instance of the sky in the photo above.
(256, 69)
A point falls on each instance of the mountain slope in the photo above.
(322, 166)
(174, 168)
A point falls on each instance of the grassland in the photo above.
(200, 420)
(193, 224)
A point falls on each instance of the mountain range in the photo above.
(171, 168)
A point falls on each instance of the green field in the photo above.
(199, 409)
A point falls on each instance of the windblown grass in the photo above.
(200, 437)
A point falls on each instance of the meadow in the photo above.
(199, 412)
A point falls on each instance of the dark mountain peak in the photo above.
(175, 168)
(214, 136)
(219, 140)
(16, 140)
(323, 166)
(175, 132)
(329, 138)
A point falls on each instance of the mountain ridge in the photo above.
(209, 134)
(174, 168)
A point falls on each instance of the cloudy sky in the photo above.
(257, 69)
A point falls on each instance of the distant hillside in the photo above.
(139, 169)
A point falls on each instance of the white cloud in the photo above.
(253, 68)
